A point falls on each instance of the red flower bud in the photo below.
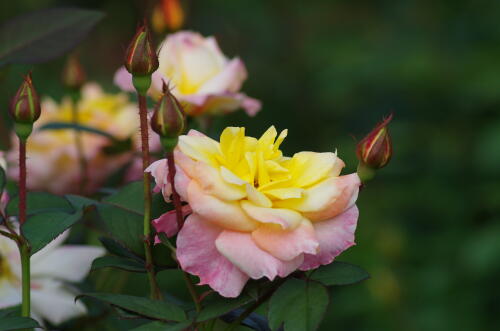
(141, 58)
(168, 119)
(25, 105)
(173, 13)
(375, 150)
(73, 75)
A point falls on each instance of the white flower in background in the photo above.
(51, 268)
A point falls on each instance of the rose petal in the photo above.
(241, 250)
(229, 79)
(227, 214)
(287, 244)
(334, 236)
(198, 255)
(167, 223)
(288, 219)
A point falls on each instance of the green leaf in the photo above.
(124, 225)
(130, 198)
(160, 310)
(159, 326)
(116, 248)
(41, 229)
(17, 323)
(219, 306)
(299, 305)
(119, 263)
(3, 180)
(57, 31)
(77, 127)
(339, 273)
(40, 202)
(79, 202)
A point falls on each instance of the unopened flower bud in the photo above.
(73, 75)
(375, 150)
(168, 119)
(25, 108)
(141, 59)
(173, 13)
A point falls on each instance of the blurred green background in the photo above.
(429, 229)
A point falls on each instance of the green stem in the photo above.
(25, 272)
(143, 115)
(75, 96)
(256, 304)
(192, 291)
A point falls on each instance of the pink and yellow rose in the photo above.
(202, 77)
(53, 162)
(254, 212)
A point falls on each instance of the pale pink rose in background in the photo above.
(256, 213)
(201, 76)
(52, 267)
(3, 195)
(52, 159)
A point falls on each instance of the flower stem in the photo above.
(22, 182)
(23, 245)
(143, 115)
(256, 304)
(25, 271)
(75, 119)
(180, 220)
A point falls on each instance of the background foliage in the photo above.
(327, 71)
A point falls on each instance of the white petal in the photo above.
(70, 263)
(52, 301)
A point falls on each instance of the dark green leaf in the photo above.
(339, 273)
(73, 126)
(40, 202)
(130, 197)
(43, 35)
(17, 323)
(159, 326)
(124, 225)
(219, 306)
(79, 202)
(116, 248)
(119, 263)
(160, 310)
(41, 229)
(16, 310)
(299, 305)
(3, 180)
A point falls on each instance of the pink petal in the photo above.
(123, 79)
(226, 214)
(159, 171)
(241, 250)
(229, 79)
(167, 223)
(197, 254)
(287, 244)
(348, 186)
(334, 236)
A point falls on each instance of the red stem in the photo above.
(22, 181)
(175, 196)
(143, 115)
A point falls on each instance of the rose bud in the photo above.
(375, 150)
(25, 108)
(141, 59)
(173, 13)
(73, 75)
(168, 119)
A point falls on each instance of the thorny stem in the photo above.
(143, 115)
(180, 220)
(79, 143)
(23, 245)
(256, 304)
